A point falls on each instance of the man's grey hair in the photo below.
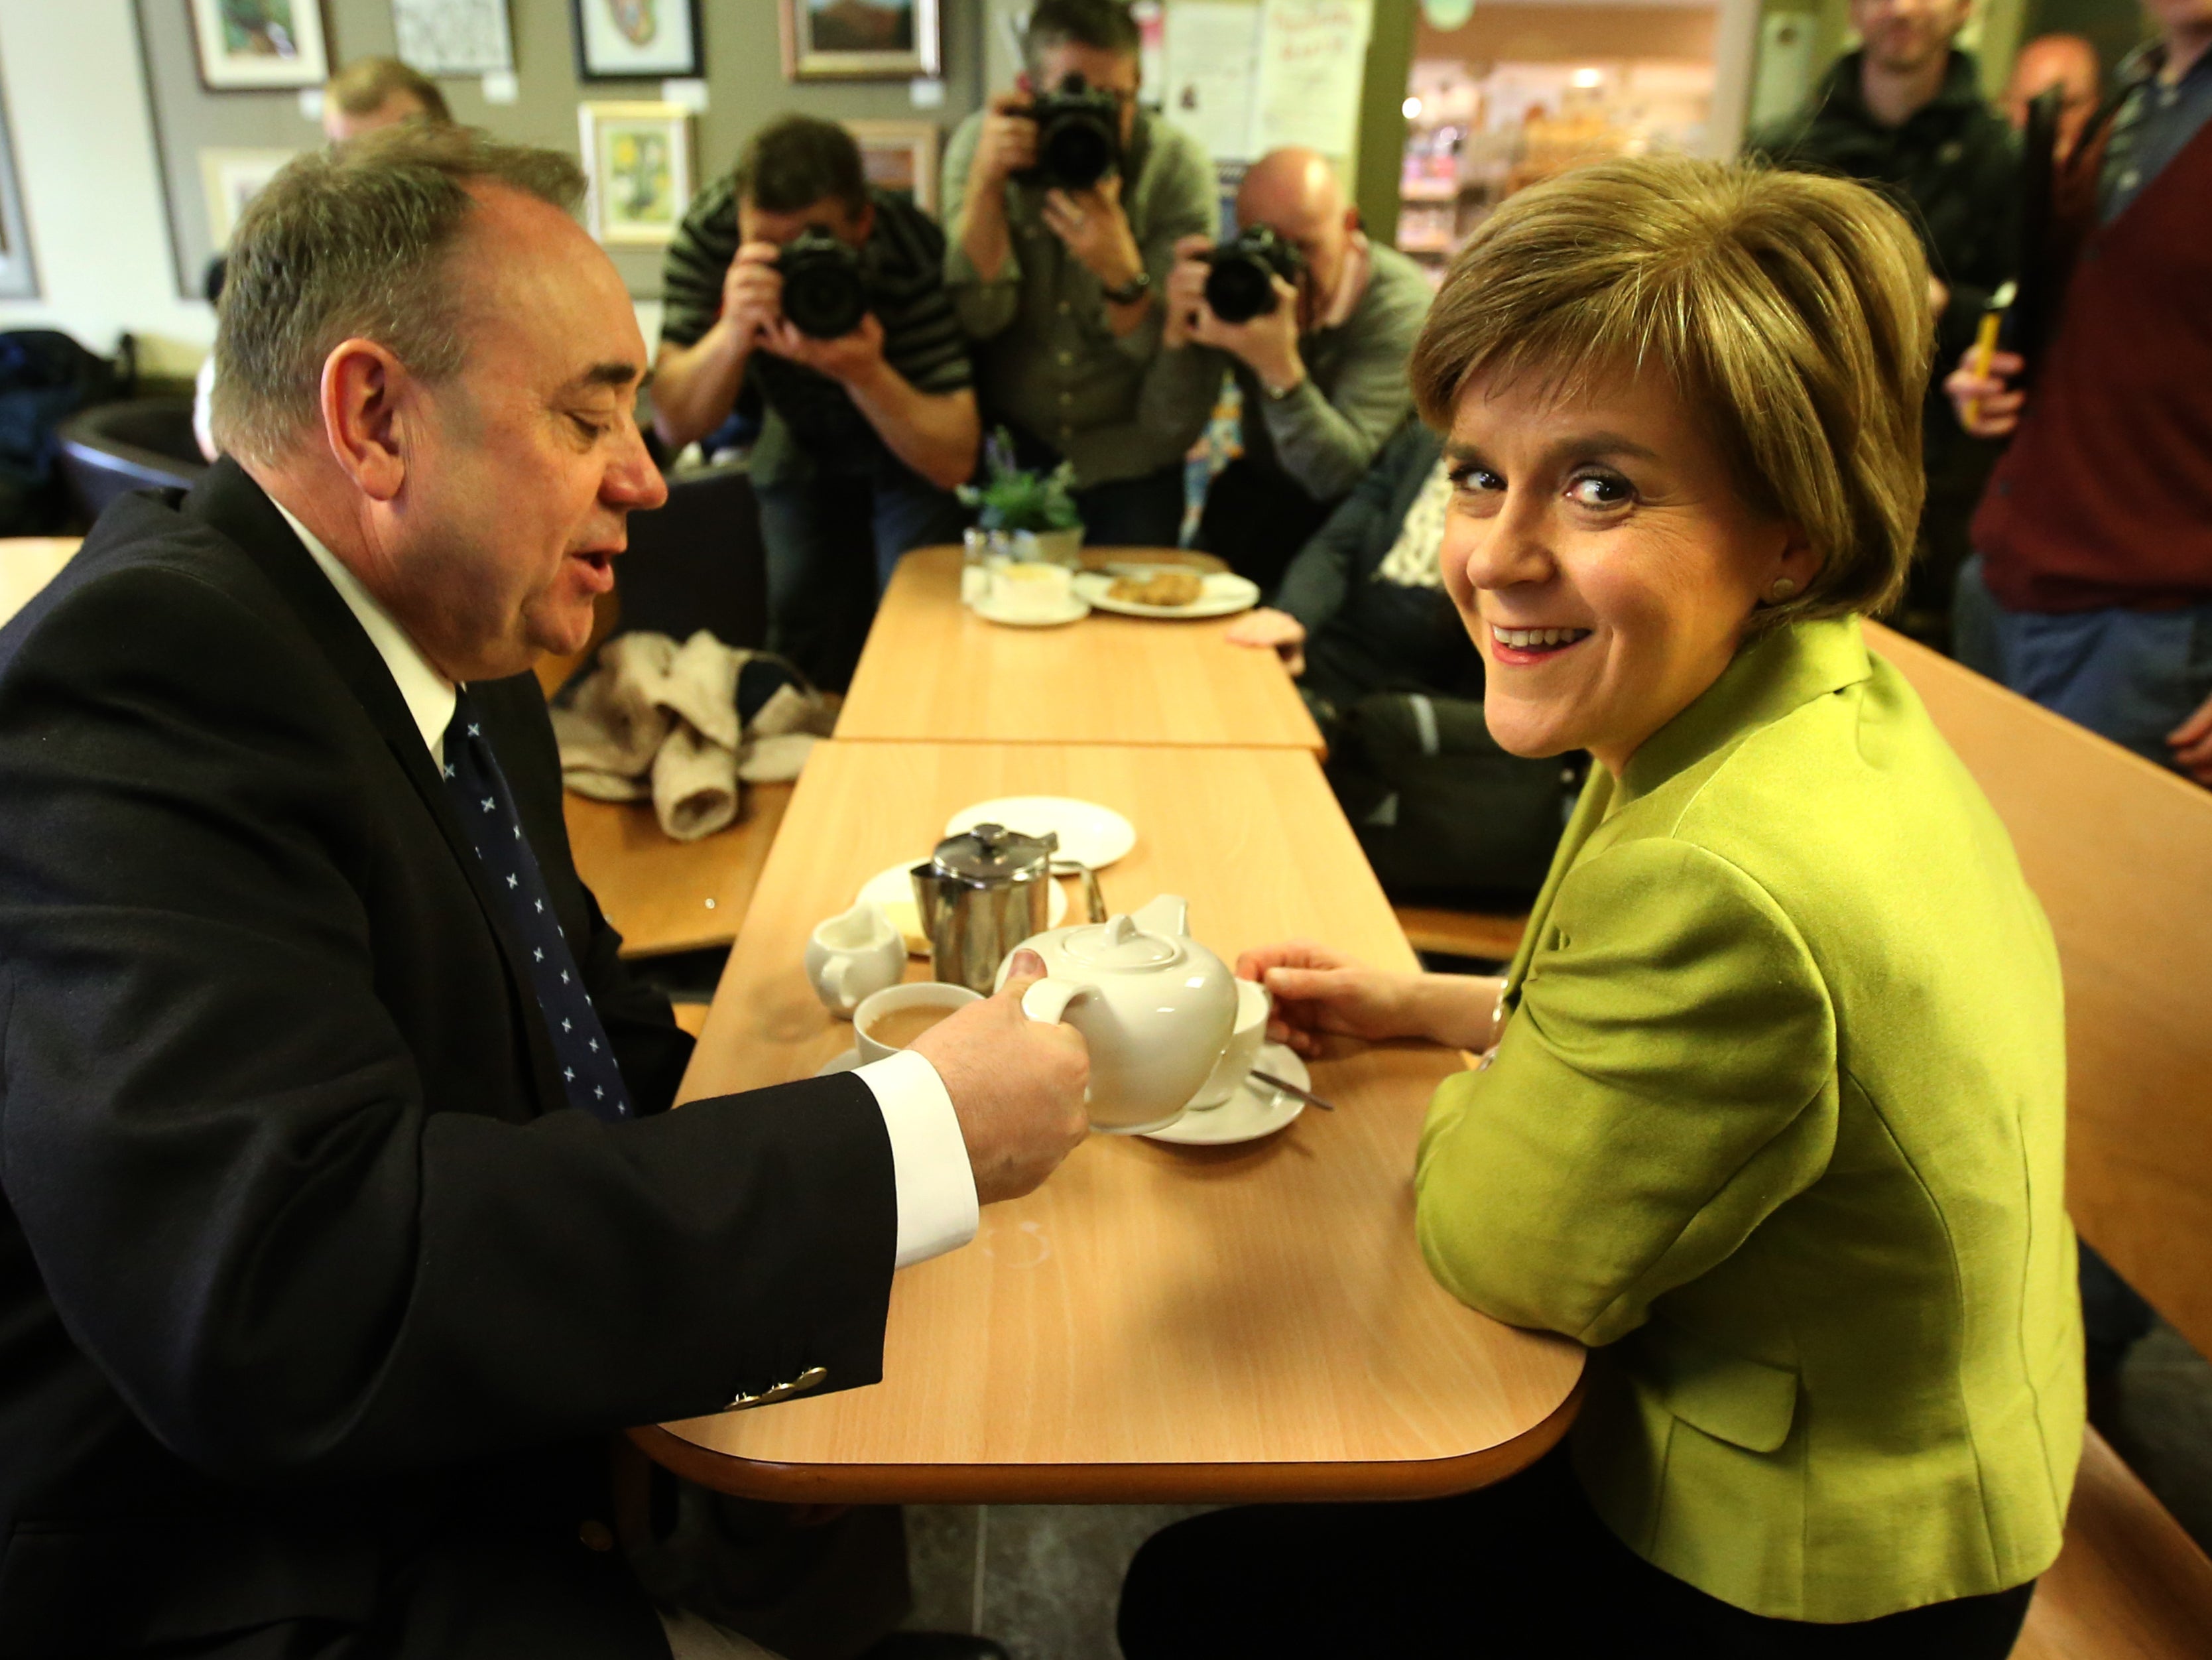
(352, 241)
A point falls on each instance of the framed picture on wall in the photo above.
(231, 179)
(638, 158)
(637, 40)
(256, 45)
(859, 39)
(900, 156)
(454, 37)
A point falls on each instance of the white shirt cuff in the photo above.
(937, 1207)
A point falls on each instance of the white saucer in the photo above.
(1074, 610)
(845, 1063)
(893, 889)
(1254, 1110)
(1224, 593)
(1095, 835)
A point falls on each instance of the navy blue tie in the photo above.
(487, 810)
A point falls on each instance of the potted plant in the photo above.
(1034, 509)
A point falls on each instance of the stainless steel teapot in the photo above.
(983, 892)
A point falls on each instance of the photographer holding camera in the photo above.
(1315, 322)
(1066, 202)
(794, 284)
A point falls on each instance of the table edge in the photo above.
(1108, 1484)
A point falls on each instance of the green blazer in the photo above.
(1776, 1125)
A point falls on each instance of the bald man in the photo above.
(1323, 374)
(2066, 63)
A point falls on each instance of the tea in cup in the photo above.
(1244, 1051)
(887, 1022)
(1032, 589)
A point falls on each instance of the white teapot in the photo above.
(1156, 1007)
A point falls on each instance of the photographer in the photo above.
(867, 429)
(1319, 321)
(1066, 202)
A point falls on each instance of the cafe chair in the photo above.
(140, 443)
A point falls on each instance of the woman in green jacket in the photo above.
(1771, 1106)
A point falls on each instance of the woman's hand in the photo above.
(1987, 405)
(1316, 990)
(1277, 630)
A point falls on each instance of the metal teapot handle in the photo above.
(1094, 901)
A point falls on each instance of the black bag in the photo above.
(46, 377)
(1444, 815)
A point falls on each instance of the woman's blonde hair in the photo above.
(1789, 311)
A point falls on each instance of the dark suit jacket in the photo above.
(316, 1302)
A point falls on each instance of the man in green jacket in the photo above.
(1904, 114)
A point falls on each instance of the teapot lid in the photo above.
(991, 854)
(1121, 944)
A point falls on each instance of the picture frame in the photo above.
(454, 37)
(860, 39)
(638, 40)
(232, 178)
(901, 157)
(637, 157)
(260, 45)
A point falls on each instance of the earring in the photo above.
(1782, 589)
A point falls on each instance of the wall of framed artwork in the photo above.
(630, 39)
(254, 45)
(454, 37)
(638, 158)
(232, 178)
(860, 39)
(901, 157)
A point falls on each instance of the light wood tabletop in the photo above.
(933, 672)
(1156, 1322)
(663, 894)
(27, 564)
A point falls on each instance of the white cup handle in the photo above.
(1048, 999)
(839, 975)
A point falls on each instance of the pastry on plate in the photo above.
(1164, 589)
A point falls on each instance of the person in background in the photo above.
(865, 435)
(1060, 289)
(371, 93)
(2090, 587)
(1322, 375)
(2064, 63)
(1904, 114)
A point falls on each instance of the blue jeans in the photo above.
(832, 540)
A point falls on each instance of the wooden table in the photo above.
(663, 894)
(933, 672)
(27, 564)
(1156, 1322)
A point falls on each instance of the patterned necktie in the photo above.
(487, 810)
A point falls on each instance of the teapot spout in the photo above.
(1167, 914)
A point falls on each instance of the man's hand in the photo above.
(1016, 1085)
(2192, 744)
(1987, 406)
(1006, 146)
(1184, 296)
(853, 359)
(752, 293)
(1096, 231)
(1268, 343)
(1276, 629)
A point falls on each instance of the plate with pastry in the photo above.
(1167, 591)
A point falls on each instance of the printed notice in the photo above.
(1313, 59)
(1212, 56)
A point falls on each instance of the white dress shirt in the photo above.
(936, 1189)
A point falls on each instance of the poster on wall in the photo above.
(1213, 57)
(901, 157)
(859, 39)
(257, 45)
(1310, 54)
(454, 37)
(231, 179)
(638, 40)
(638, 158)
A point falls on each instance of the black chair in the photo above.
(140, 443)
(698, 562)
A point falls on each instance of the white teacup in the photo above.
(1244, 1051)
(852, 956)
(887, 1022)
(1032, 588)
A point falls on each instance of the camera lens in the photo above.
(823, 294)
(1240, 287)
(1076, 150)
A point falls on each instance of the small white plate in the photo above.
(1225, 594)
(846, 1062)
(893, 889)
(1073, 611)
(1095, 836)
(1256, 1108)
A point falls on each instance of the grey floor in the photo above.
(1041, 1578)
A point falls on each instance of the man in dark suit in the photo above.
(333, 1243)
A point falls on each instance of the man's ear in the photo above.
(368, 403)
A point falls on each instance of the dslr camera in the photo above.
(1079, 136)
(1241, 284)
(823, 293)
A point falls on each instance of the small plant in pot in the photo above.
(1034, 510)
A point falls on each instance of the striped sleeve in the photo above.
(698, 259)
(922, 338)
